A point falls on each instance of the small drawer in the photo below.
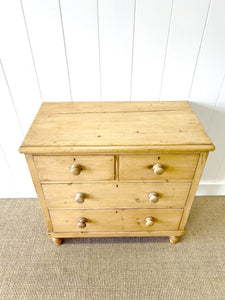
(157, 167)
(75, 168)
(116, 195)
(115, 220)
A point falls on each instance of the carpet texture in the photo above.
(32, 267)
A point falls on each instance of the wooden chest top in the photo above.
(110, 127)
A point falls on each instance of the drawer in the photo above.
(115, 220)
(75, 168)
(157, 167)
(116, 195)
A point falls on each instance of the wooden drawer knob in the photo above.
(79, 197)
(82, 222)
(158, 169)
(76, 169)
(153, 197)
(149, 221)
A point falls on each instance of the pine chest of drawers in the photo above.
(116, 168)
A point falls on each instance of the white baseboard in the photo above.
(211, 189)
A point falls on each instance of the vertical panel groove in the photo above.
(131, 46)
(64, 43)
(215, 104)
(200, 47)
(31, 50)
(220, 167)
(7, 163)
(10, 93)
(99, 54)
(167, 42)
(116, 30)
(132, 54)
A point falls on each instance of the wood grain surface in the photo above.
(116, 195)
(52, 168)
(115, 220)
(116, 124)
(140, 167)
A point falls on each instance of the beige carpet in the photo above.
(32, 267)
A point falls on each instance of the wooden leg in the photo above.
(174, 239)
(57, 241)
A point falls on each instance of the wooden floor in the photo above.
(32, 267)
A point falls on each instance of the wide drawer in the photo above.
(74, 168)
(115, 220)
(116, 195)
(157, 167)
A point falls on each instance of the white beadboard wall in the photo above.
(109, 50)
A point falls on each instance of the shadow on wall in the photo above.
(213, 121)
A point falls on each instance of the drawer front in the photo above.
(116, 220)
(116, 195)
(74, 168)
(157, 167)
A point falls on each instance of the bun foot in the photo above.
(57, 241)
(174, 239)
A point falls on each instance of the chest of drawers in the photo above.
(116, 168)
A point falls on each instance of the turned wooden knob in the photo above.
(76, 169)
(158, 169)
(153, 197)
(82, 222)
(79, 197)
(149, 221)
